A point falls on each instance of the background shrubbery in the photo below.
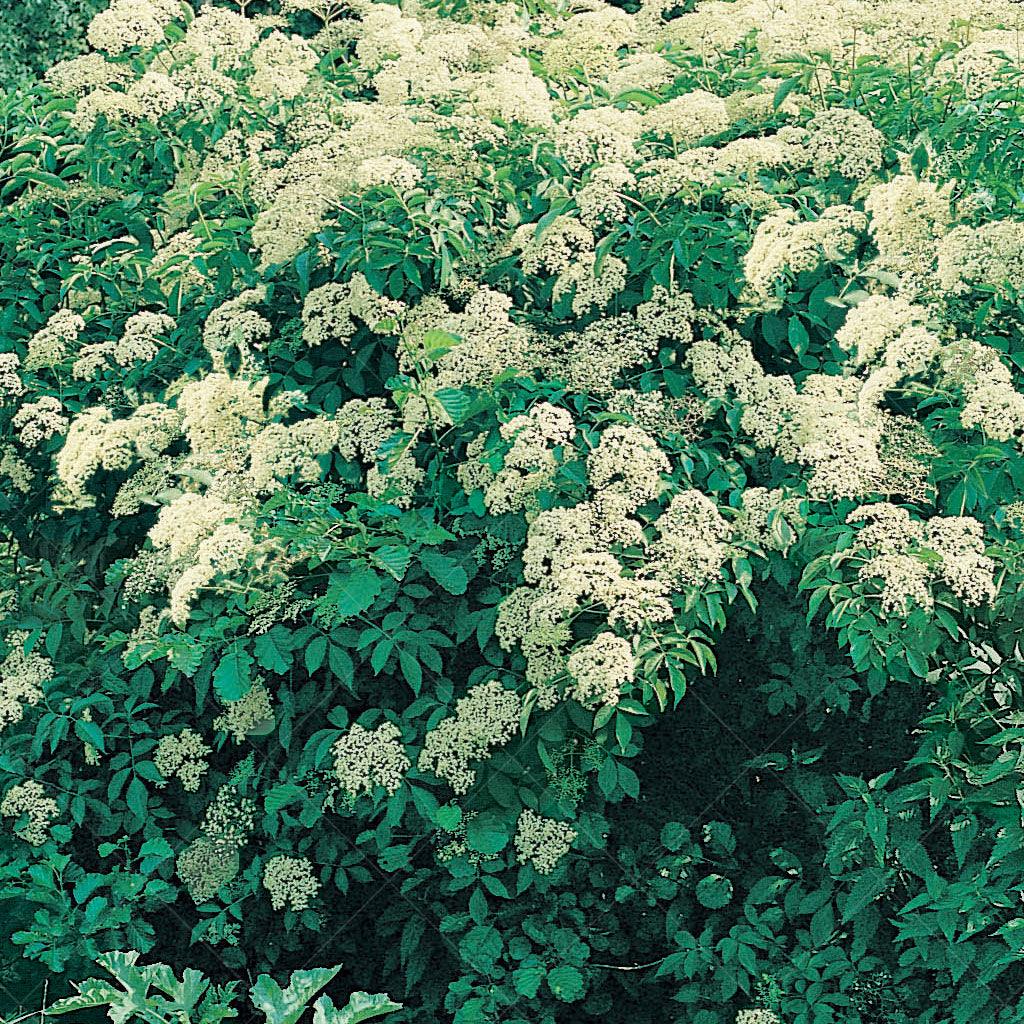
(521, 502)
(35, 34)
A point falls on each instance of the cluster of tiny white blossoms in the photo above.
(786, 245)
(38, 421)
(757, 1016)
(251, 712)
(896, 548)
(486, 717)
(211, 860)
(22, 677)
(529, 463)
(11, 384)
(184, 756)
(366, 758)
(49, 346)
(542, 842)
(291, 883)
(28, 799)
(601, 669)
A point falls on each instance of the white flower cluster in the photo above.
(897, 549)
(486, 717)
(542, 842)
(291, 883)
(600, 669)
(367, 758)
(182, 755)
(786, 245)
(49, 346)
(530, 462)
(250, 713)
(29, 800)
(22, 677)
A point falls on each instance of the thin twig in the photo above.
(635, 967)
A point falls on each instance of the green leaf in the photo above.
(566, 983)
(393, 558)
(91, 733)
(272, 650)
(361, 1006)
(478, 906)
(674, 836)
(411, 670)
(286, 1006)
(714, 892)
(872, 883)
(783, 90)
(354, 589)
(644, 97)
(43, 178)
(445, 571)
(137, 798)
(91, 992)
(232, 678)
(527, 979)
(437, 343)
(481, 947)
(487, 833)
(281, 796)
(455, 402)
(340, 662)
(799, 339)
(315, 653)
(153, 852)
(448, 817)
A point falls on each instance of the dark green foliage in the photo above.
(35, 34)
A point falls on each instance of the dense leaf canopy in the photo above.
(521, 500)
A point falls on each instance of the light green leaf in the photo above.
(286, 1006)
(232, 678)
(714, 892)
(354, 589)
(361, 1006)
(445, 571)
(566, 983)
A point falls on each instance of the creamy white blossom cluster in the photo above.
(600, 669)
(11, 384)
(991, 255)
(184, 756)
(757, 1016)
(248, 715)
(908, 218)
(768, 518)
(367, 758)
(23, 675)
(51, 344)
(291, 883)
(834, 424)
(542, 842)
(96, 440)
(211, 860)
(529, 463)
(843, 142)
(28, 800)
(567, 250)
(895, 339)
(896, 551)
(38, 421)
(140, 340)
(127, 24)
(486, 717)
(785, 245)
